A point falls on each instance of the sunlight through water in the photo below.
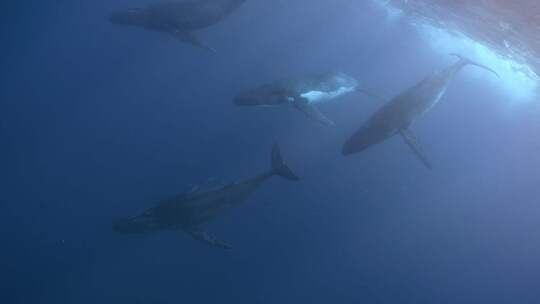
(518, 80)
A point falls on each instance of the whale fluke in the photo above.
(279, 167)
(411, 141)
(466, 61)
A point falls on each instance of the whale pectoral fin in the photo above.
(188, 37)
(311, 111)
(411, 141)
(208, 239)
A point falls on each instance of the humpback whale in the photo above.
(188, 211)
(302, 93)
(396, 116)
(178, 19)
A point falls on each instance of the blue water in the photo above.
(99, 122)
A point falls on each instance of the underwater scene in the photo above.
(270, 151)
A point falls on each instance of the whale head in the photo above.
(265, 95)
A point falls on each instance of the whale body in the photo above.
(303, 93)
(189, 211)
(397, 116)
(178, 19)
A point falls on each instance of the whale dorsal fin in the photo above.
(411, 141)
(311, 111)
(204, 237)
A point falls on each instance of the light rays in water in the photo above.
(517, 80)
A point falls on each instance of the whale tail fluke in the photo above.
(279, 167)
(466, 61)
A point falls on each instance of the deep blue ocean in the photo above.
(99, 122)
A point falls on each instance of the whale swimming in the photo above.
(188, 211)
(396, 116)
(303, 93)
(178, 19)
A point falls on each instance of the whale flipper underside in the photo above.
(204, 237)
(190, 38)
(311, 111)
(411, 141)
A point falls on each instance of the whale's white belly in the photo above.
(322, 96)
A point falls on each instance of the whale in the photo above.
(303, 93)
(396, 116)
(178, 19)
(189, 211)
